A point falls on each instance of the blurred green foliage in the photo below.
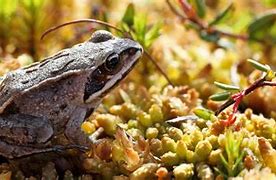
(136, 24)
(264, 27)
(7, 11)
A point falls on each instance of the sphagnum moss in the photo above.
(170, 159)
(183, 171)
(168, 144)
(203, 149)
(174, 146)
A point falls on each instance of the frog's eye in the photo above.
(112, 62)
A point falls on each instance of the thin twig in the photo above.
(228, 103)
(268, 83)
(231, 35)
(159, 68)
(81, 21)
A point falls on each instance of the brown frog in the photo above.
(52, 98)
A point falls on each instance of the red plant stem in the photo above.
(191, 14)
(186, 6)
(259, 83)
(183, 18)
(236, 36)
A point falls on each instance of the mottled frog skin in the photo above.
(52, 98)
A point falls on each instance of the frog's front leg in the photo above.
(73, 128)
(23, 134)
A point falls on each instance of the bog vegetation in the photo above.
(200, 104)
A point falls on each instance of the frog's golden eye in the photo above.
(112, 62)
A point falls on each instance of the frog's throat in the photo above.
(116, 78)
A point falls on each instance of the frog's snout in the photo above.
(138, 49)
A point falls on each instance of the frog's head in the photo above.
(115, 58)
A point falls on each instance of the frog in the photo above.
(52, 98)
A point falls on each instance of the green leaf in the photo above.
(224, 162)
(140, 22)
(128, 17)
(259, 66)
(203, 113)
(226, 86)
(260, 28)
(152, 34)
(222, 15)
(220, 96)
(237, 163)
(200, 8)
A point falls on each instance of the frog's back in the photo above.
(53, 68)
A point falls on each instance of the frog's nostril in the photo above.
(132, 51)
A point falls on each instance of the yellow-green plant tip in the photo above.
(156, 113)
(259, 66)
(145, 171)
(270, 75)
(88, 127)
(151, 133)
(144, 119)
(175, 133)
(222, 96)
(132, 124)
(226, 86)
(181, 149)
(169, 158)
(183, 171)
(203, 149)
(108, 122)
(196, 136)
(203, 113)
(168, 144)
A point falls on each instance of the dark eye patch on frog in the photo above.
(99, 77)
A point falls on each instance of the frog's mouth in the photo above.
(101, 83)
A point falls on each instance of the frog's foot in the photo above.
(12, 151)
(62, 148)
